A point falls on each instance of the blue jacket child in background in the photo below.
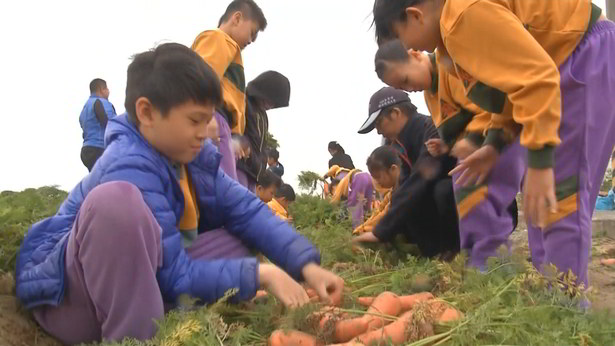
(128, 238)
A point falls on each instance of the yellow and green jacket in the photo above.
(223, 54)
(511, 70)
(278, 209)
(189, 222)
(455, 116)
(377, 215)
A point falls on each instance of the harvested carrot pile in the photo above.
(389, 319)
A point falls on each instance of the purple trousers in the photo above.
(228, 162)
(360, 196)
(112, 256)
(246, 180)
(586, 131)
(484, 220)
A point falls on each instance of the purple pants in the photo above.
(228, 162)
(246, 180)
(587, 132)
(360, 195)
(484, 220)
(112, 256)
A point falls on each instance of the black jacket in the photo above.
(341, 159)
(271, 87)
(257, 125)
(420, 174)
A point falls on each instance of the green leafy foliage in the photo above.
(507, 304)
(18, 211)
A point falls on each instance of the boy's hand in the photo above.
(463, 148)
(476, 167)
(281, 285)
(328, 285)
(436, 147)
(539, 196)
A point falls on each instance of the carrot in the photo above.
(292, 338)
(395, 331)
(386, 303)
(365, 301)
(260, 293)
(345, 330)
(408, 302)
(449, 315)
(608, 261)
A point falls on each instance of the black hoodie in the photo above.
(271, 87)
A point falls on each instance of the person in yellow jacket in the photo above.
(221, 49)
(548, 66)
(284, 196)
(380, 173)
(355, 187)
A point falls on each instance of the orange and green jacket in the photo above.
(377, 215)
(278, 209)
(454, 114)
(511, 68)
(223, 54)
(189, 222)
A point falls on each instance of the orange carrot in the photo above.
(260, 293)
(365, 301)
(608, 261)
(449, 315)
(408, 302)
(292, 338)
(395, 331)
(345, 330)
(386, 303)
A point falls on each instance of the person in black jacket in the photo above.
(423, 205)
(340, 157)
(269, 90)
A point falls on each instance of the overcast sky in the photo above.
(53, 49)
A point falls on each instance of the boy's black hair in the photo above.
(407, 108)
(274, 154)
(267, 179)
(388, 52)
(97, 84)
(249, 9)
(286, 191)
(169, 75)
(382, 158)
(386, 12)
(336, 146)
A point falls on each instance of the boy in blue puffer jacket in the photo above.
(145, 226)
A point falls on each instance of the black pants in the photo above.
(89, 156)
(434, 225)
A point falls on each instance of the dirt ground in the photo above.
(18, 329)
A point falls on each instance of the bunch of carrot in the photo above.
(388, 317)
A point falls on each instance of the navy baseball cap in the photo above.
(382, 99)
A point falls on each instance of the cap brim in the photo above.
(370, 123)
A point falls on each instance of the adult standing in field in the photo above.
(93, 120)
(269, 90)
(339, 156)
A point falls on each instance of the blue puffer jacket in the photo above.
(222, 202)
